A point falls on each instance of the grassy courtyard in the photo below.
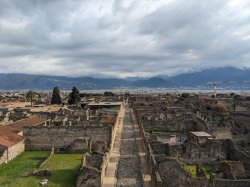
(192, 169)
(64, 168)
(11, 174)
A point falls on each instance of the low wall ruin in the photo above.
(64, 138)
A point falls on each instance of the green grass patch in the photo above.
(64, 169)
(11, 174)
(192, 169)
(207, 168)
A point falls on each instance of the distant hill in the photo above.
(225, 77)
(154, 82)
(231, 78)
(41, 82)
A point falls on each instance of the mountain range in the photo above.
(229, 77)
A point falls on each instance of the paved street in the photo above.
(128, 172)
(127, 164)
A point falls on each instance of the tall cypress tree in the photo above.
(74, 96)
(56, 97)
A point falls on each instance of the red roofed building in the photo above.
(11, 139)
(17, 127)
(11, 145)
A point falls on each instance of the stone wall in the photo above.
(80, 145)
(243, 157)
(107, 155)
(160, 148)
(222, 133)
(94, 166)
(90, 172)
(11, 152)
(232, 153)
(233, 183)
(173, 174)
(229, 170)
(155, 176)
(88, 177)
(64, 138)
(3, 156)
(15, 150)
(183, 123)
(207, 153)
(94, 160)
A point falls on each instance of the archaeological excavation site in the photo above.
(133, 140)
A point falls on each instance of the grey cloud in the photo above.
(120, 38)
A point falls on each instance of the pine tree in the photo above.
(56, 97)
(74, 96)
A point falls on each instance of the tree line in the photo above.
(74, 96)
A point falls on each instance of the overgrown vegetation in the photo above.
(192, 169)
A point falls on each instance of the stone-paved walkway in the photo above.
(128, 165)
(128, 171)
(111, 170)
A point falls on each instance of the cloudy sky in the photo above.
(123, 37)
